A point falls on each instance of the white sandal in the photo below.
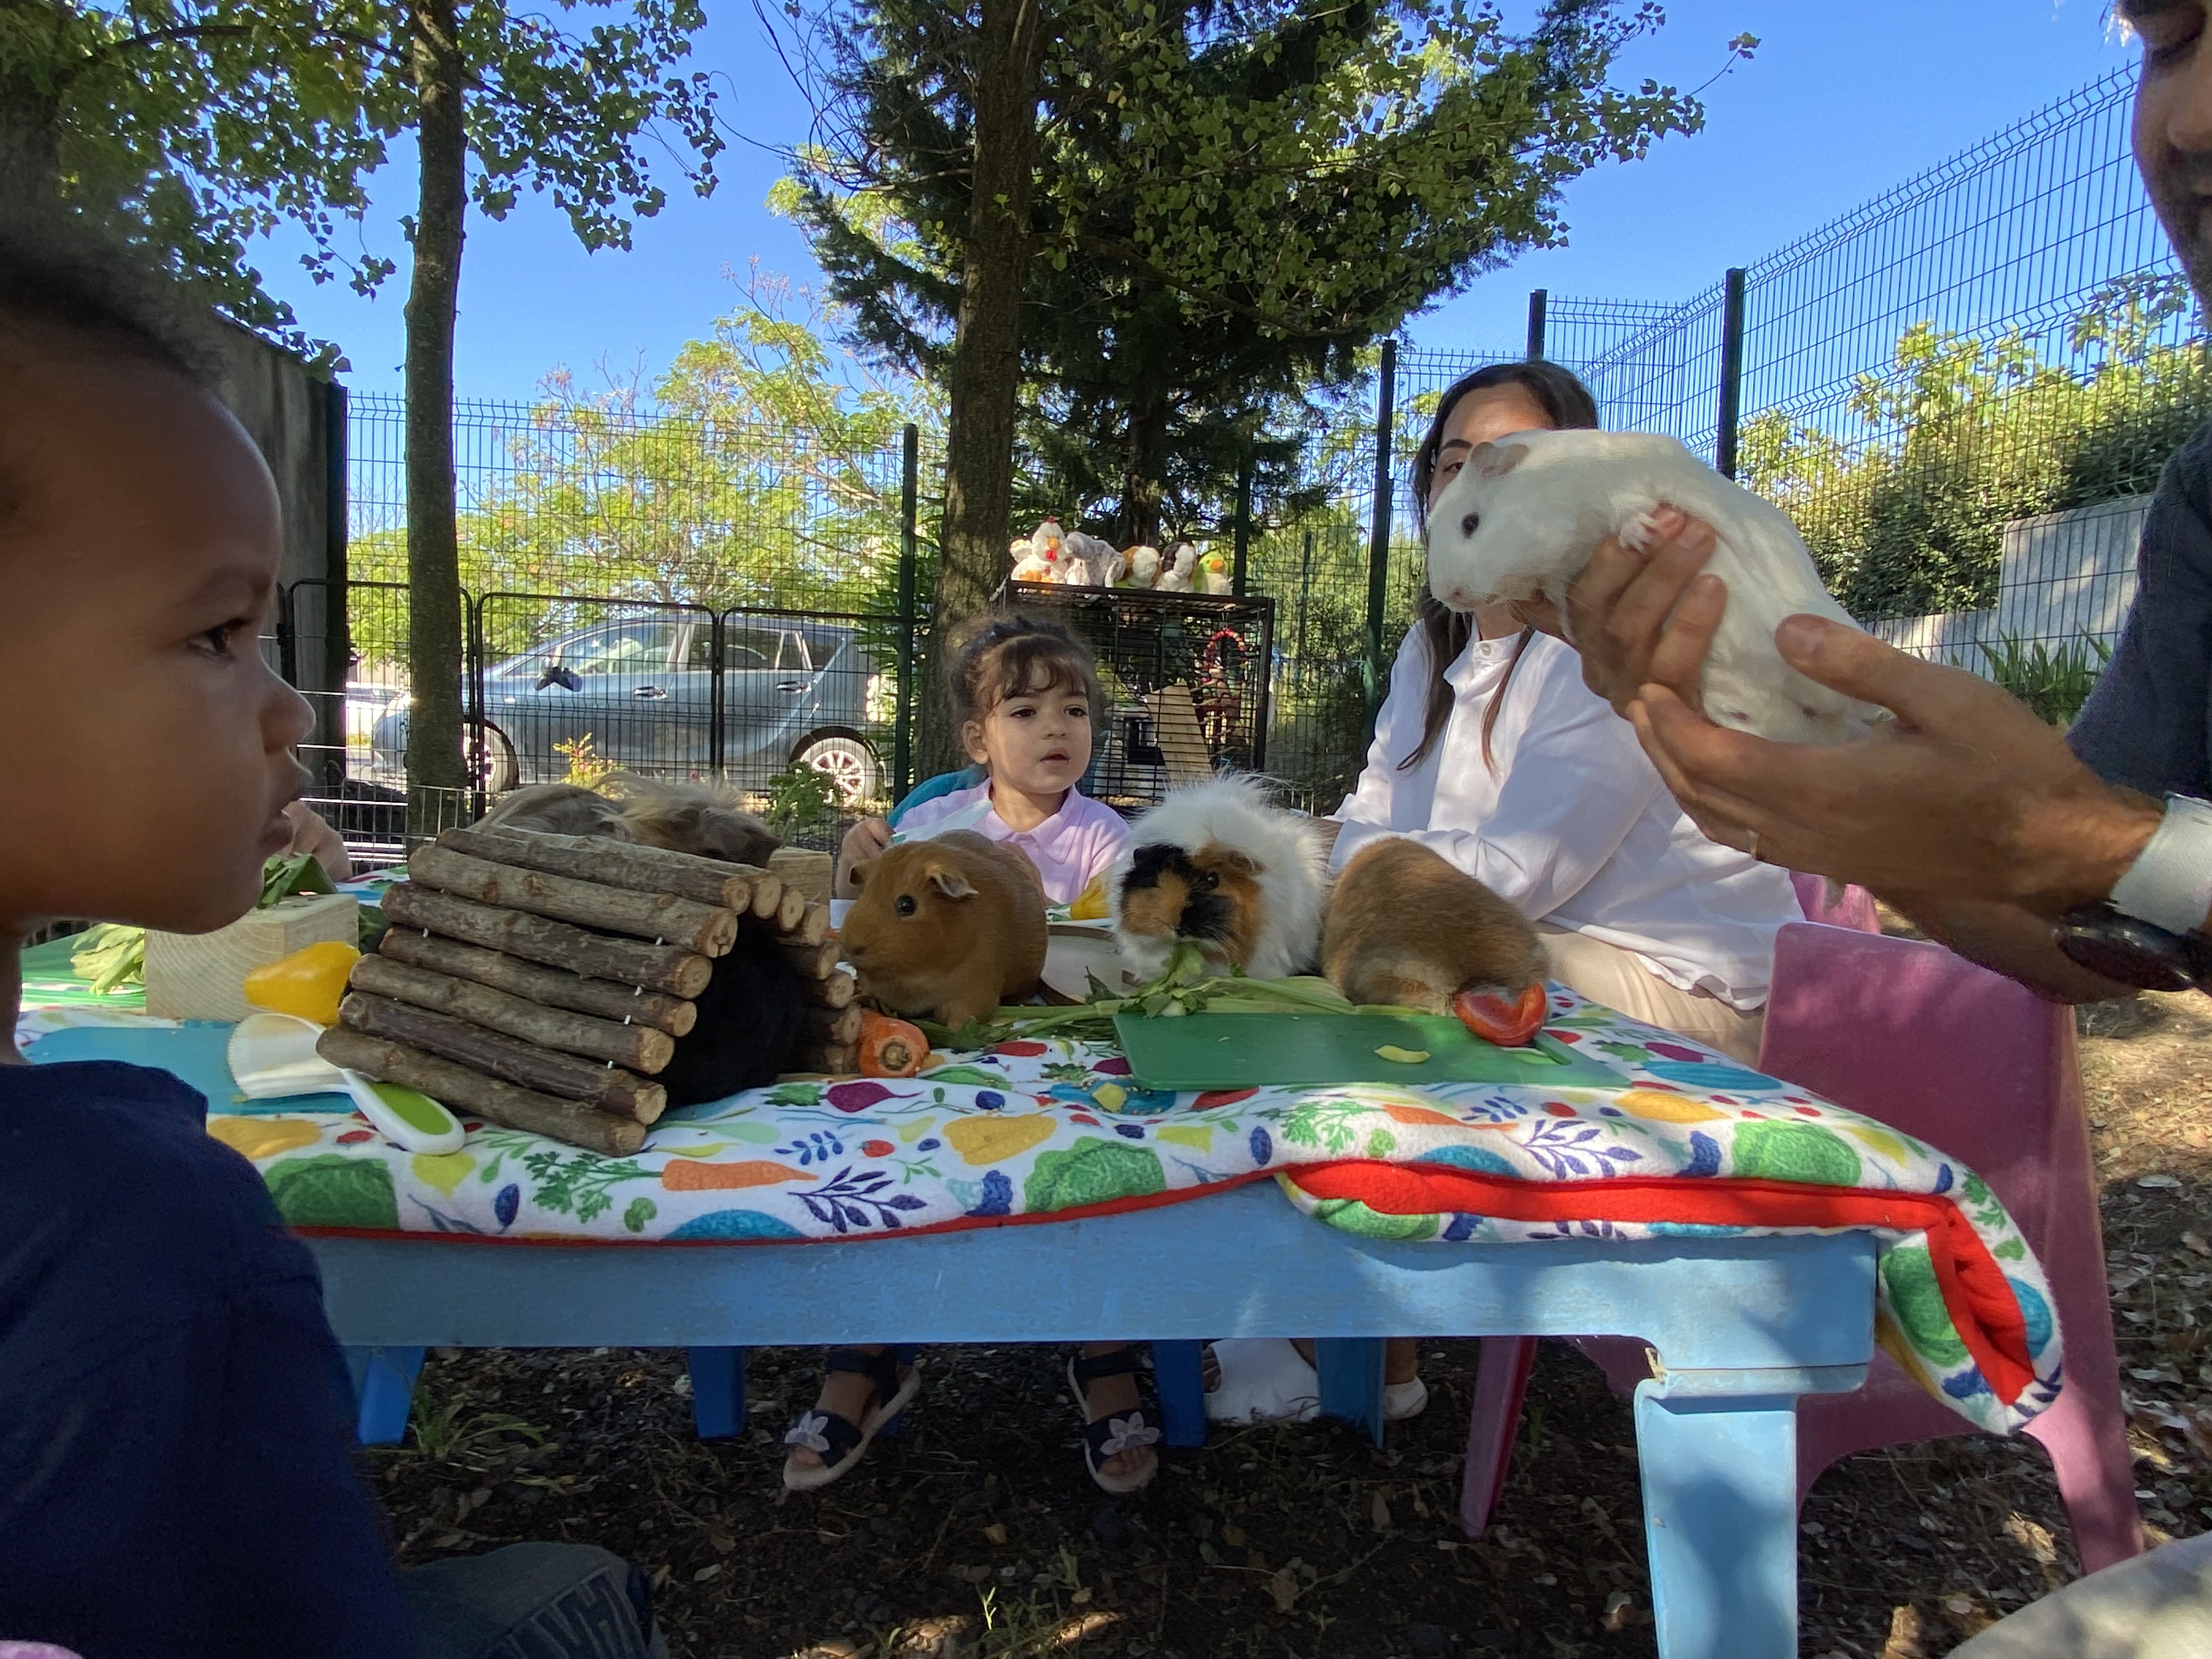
(837, 1441)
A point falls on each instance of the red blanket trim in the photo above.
(1981, 1304)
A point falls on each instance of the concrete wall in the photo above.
(2063, 575)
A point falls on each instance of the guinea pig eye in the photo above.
(904, 904)
(1208, 881)
(1470, 524)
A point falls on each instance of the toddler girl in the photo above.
(1024, 691)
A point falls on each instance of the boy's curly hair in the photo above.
(1004, 654)
(66, 292)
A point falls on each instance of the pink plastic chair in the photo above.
(1908, 1033)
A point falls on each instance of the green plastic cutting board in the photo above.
(50, 982)
(1245, 1051)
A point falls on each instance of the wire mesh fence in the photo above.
(1962, 392)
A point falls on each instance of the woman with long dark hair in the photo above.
(1491, 749)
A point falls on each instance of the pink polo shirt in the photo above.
(1068, 848)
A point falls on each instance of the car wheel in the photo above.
(497, 772)
(849, 763)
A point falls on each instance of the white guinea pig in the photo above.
(1525, 514)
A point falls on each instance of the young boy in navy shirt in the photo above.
(175, 1478)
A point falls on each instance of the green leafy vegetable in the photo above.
(287, 876)
(113, 956)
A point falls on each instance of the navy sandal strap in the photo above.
(1119, 1431)
(827, 1436)
(882, 1369)
(1122, 1361)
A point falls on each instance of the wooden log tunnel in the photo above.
(544, 981)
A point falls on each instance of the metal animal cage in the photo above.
(1185, 680)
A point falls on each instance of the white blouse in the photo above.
(1574, 825)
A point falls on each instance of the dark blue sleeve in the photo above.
(175, 1473)
(2146, 725)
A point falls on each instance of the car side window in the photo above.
(640, 649)
(748, 648)
(699, 650)
(793, 655)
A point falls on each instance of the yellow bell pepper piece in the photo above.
(308, 983)
(1090, 904)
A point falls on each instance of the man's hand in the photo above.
(1618, 612)
(1966, 794)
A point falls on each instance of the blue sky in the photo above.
(1845, 98)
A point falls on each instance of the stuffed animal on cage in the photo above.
(1177, 567)
(1031, 565)
(1142, 566)
(1213, 574)
(1217, 866)
(1046, 538)
(1088, 560)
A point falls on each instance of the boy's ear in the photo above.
(950, 882)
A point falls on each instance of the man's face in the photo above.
(2173, 127)
(144, 748)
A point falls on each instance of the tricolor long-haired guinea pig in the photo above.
(1525, 515)
(1217, 866)
(705, 819)
(948, 928)
(558, 809)
(1405, 926)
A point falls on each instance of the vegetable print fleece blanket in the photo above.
(1686, 1144)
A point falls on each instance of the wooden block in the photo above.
(200, 975)
(768, 895)
(1175, 722)
(803, 869)
(790, 913)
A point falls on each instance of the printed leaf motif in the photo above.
(1092, 1171)
(1794, 1152)
(1353, 1216)
(641, 1211)
(1916, 1303)
(1329, 1122)
(334, 1190)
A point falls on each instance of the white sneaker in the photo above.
(1264, 1379)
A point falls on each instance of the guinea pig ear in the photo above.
(952, 882)
(1495, 460)
(1230, 859)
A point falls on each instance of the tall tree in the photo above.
(502, 100)
(1231, 203)
(189, 127)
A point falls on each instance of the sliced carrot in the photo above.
(889, 1048)
(1492, 1018)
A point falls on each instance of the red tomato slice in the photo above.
(1492, 1018)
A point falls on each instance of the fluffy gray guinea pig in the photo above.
(1525, 513)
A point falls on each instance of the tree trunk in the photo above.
(1142, 467)
(30, 153)
(434, 760)
(985, 374)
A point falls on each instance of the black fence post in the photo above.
(1378, 546)
(902, 716)
(1731, 372)
(337, 636)
(1538, 298)
(1243, 544)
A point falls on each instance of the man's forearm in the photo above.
(2009, 941)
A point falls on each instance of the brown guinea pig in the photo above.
(1404, 926)
(947, 928)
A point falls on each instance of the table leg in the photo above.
(718, 1391)
(1351, 1373)
(383, 1391)
(1718, 1451)
(1178, 1374)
